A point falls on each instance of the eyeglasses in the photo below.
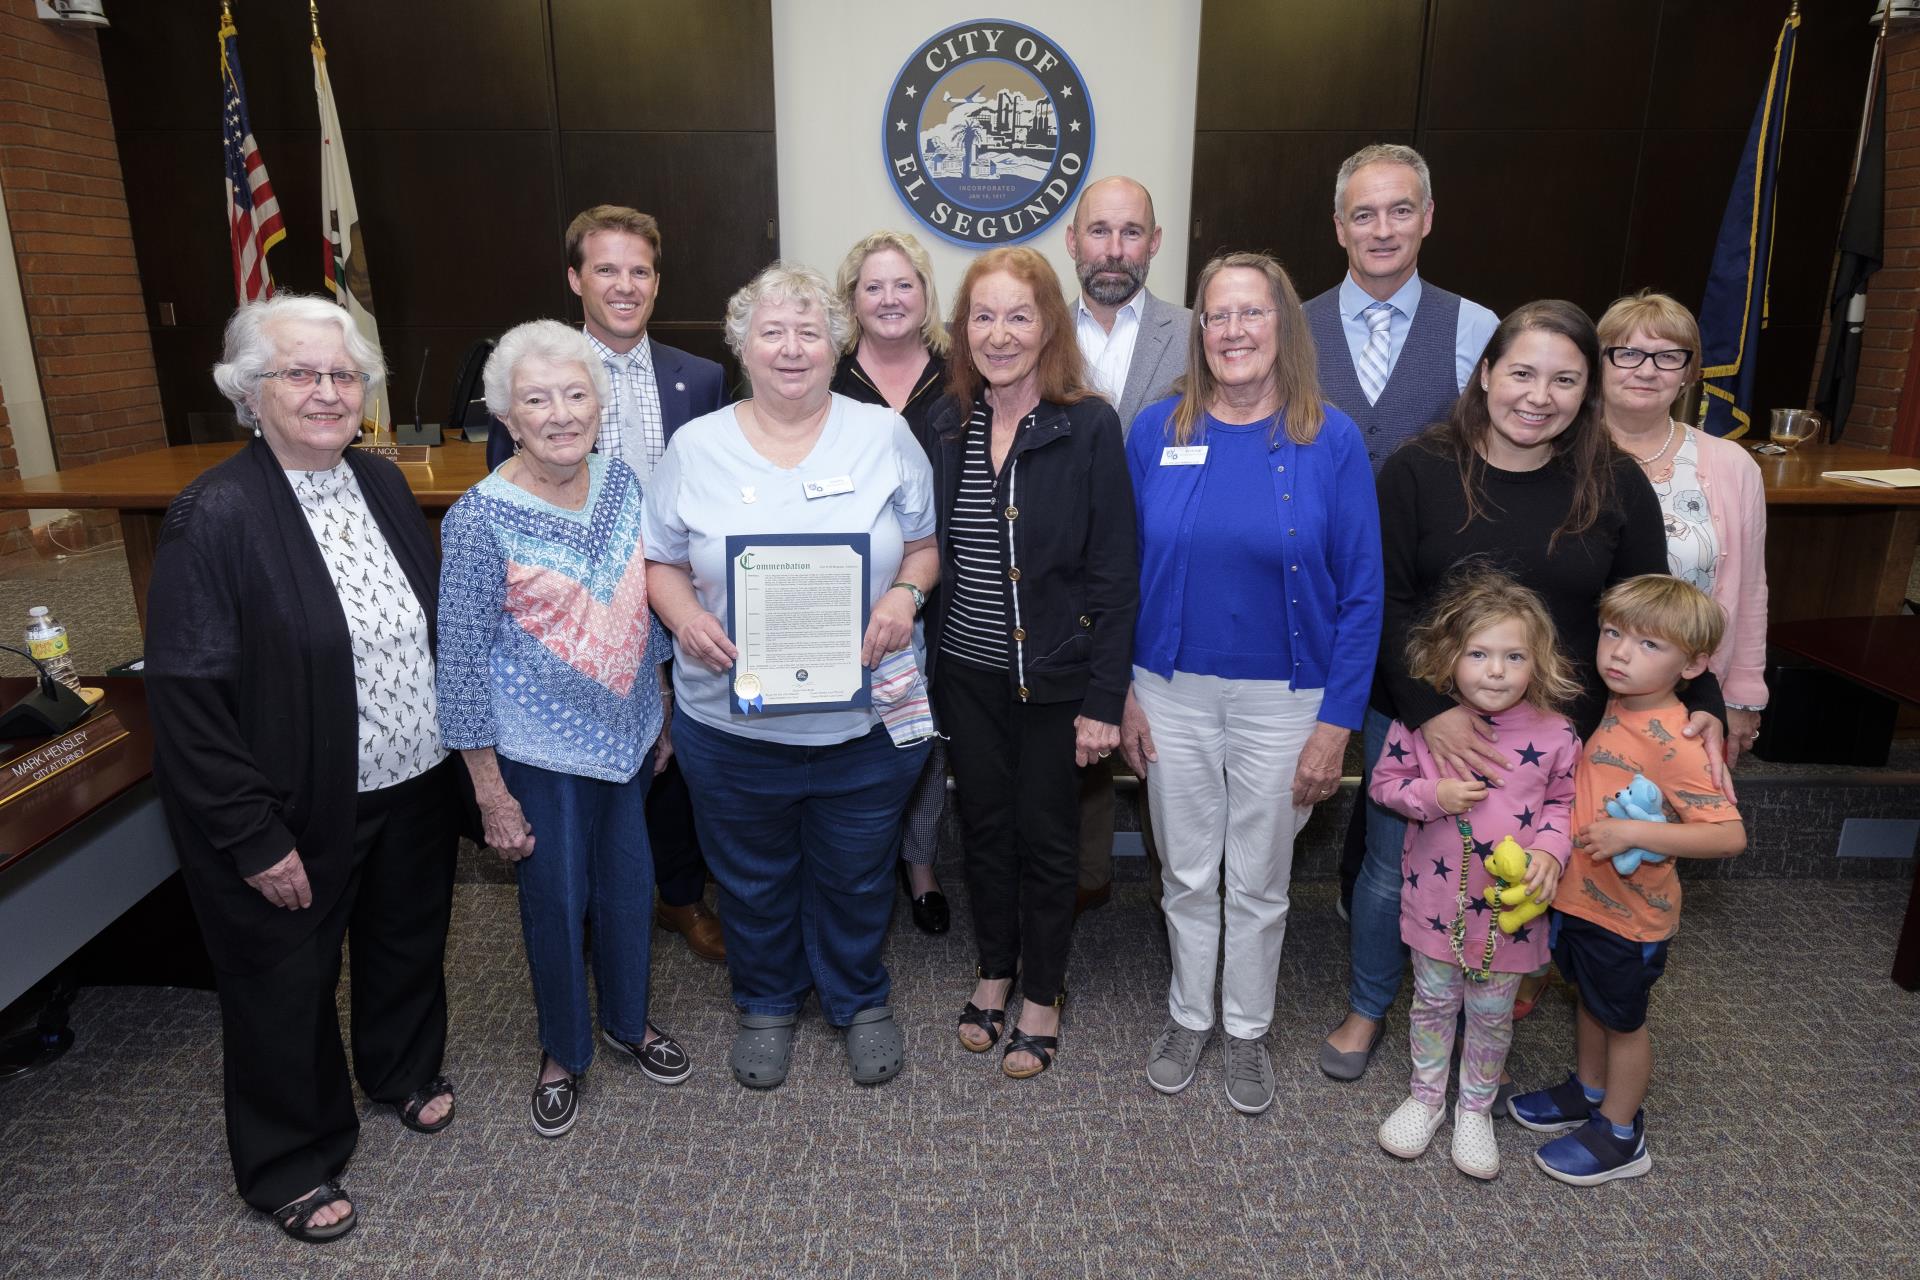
(302, 379)
(1632, 358)
(1250, 318)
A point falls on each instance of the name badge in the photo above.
(827, 488)
(1189, 455)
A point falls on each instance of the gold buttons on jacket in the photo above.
(1085, 621)
(1013, 513)
(1013, 574)
(1023, 693)
(1019, 633)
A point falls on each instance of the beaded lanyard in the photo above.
(1457, 935)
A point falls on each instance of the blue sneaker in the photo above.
(1591, 1154)
(1554, 1110)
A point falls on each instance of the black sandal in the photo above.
(991, 1021)
(417, 1101)
(1041, 1047)
(293, 1217)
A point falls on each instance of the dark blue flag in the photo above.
(1734, 310)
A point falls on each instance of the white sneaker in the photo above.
(1409, 1131)
(1476, 1152)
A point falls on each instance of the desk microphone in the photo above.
(50, 708)
(417, 434)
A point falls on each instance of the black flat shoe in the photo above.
(293, 1218)
(417, 1102)
(930, 913)
(991, 1021)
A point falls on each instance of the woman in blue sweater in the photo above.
(1260, 598)
(551, 686)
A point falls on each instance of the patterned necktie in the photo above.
(1373, 357)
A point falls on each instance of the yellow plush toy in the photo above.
(1507, 864)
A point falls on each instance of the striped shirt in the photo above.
(977, 630)
(633, 408)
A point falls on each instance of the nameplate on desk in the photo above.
(402, 454)
(21, 773)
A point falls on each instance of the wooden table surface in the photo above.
(1793, 478)
(149, 481)
(67, 799)
(1881, 653)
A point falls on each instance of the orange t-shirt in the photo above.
(1644, 906)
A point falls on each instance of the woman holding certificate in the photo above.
(790, 539)
(1035, 625)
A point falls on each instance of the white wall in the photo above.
(19, 378)
(835, 60)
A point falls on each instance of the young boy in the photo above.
(1609, 931)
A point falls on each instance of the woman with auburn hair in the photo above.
(1033, 624)
(1259, 620)
(1710, 491)
(1524, 474)
(896, 356)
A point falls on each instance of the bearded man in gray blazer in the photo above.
(1135, 345)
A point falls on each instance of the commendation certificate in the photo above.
(797, 611)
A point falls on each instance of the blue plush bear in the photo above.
(1641, 801)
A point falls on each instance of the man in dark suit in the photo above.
(613, 256)
(1135, 345)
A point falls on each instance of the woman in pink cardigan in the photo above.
(1710, 490)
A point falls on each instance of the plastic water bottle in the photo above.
(47, 640)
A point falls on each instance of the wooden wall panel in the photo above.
(1348, 66)
(627, 66)
(1545, 64)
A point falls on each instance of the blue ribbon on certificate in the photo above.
(746, 692)
(750, 705)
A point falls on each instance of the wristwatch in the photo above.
(919, 596)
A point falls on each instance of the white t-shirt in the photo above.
(711, 484)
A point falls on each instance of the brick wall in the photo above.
(1893, 295)
(60, 171)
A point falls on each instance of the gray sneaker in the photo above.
(1249, 1075)
(1176, 1057)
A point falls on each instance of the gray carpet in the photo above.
(1784, 1132)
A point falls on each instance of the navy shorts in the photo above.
(1614, 975)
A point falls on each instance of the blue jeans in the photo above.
(590, 862)
(1377, 956)
(801, 841)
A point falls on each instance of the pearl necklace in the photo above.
(1653, 457)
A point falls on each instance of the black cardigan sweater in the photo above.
(1422, 514)
(851, 381)
(249, 674)
(1070, 525)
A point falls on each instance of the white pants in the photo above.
(1224, 782)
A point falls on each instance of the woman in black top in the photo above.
(1524, 474)
(897, 356)
(290, 629)
(1033, 624)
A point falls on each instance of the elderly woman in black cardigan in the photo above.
(298, 759)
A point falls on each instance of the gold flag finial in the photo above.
(226, 14)
(313, 17)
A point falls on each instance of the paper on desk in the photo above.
(1891, 478)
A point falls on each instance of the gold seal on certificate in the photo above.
(746, 685)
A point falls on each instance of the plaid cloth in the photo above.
(633, 409)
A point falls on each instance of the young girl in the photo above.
(1489, 644)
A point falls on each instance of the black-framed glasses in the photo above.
(1633, 357)
(302, 379)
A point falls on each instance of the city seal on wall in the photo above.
(988, 133)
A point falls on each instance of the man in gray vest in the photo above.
(1395, 350)
(1135, 345)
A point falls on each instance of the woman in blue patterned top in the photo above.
(551, 687)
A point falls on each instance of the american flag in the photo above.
(253, 215)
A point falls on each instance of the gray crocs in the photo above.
(875, 1049)
(762, 1049)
